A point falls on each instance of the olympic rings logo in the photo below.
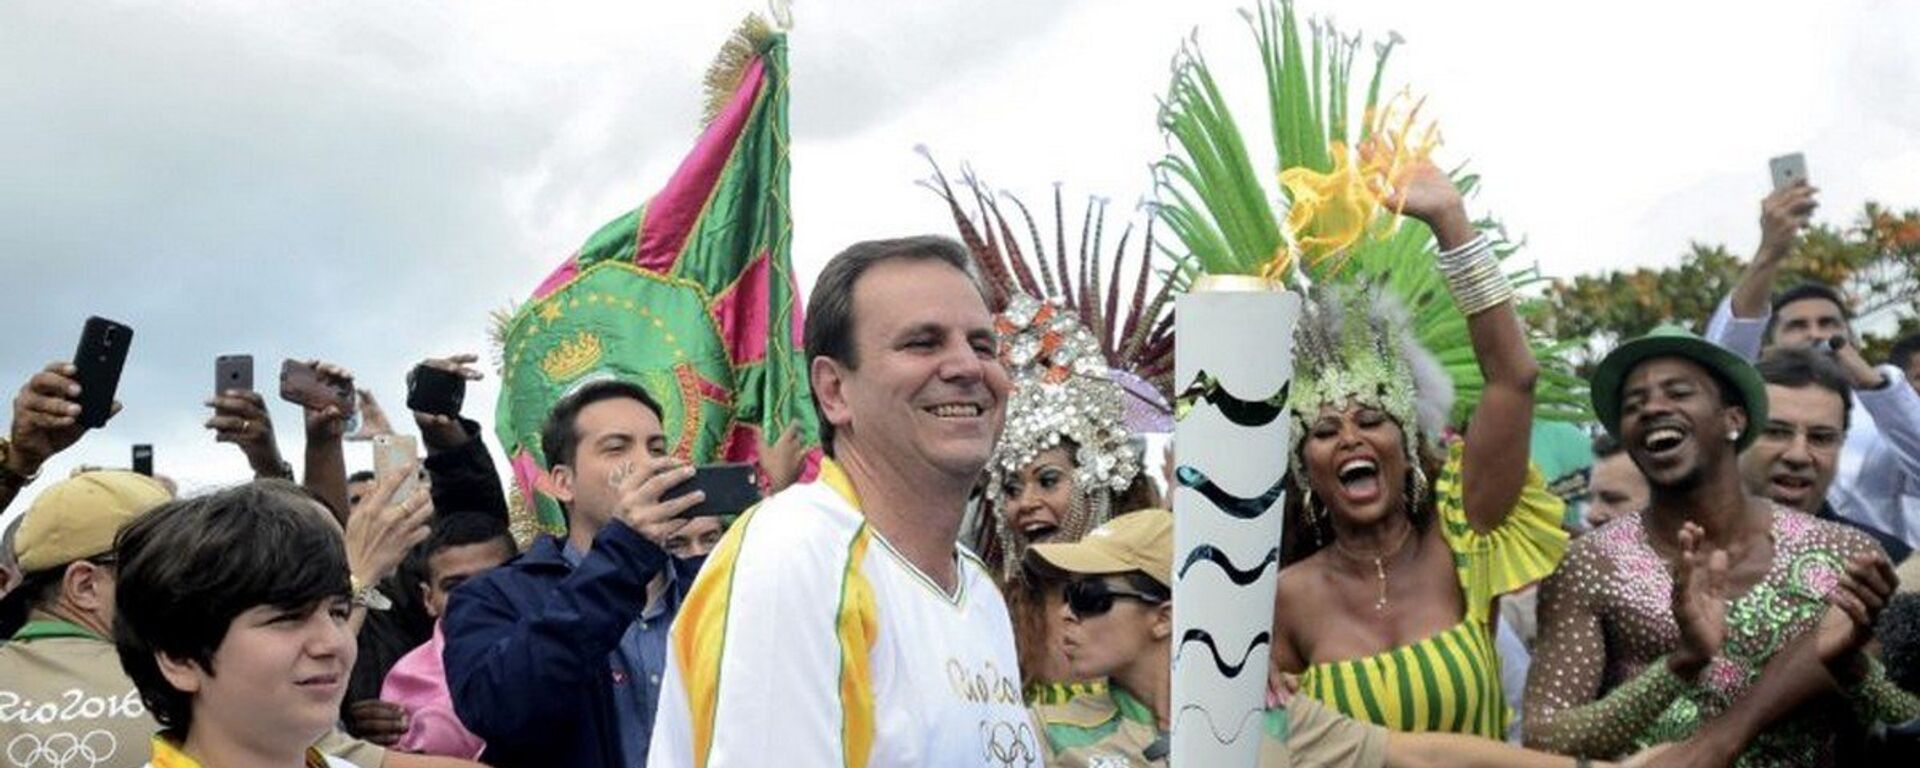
(62, 750)
(1009, 745)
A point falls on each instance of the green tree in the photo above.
(1875, 262)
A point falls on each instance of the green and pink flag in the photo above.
(692, 295)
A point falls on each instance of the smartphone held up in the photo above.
(303, 384)
(435, 390)
(232, 373)
(99, 359)
(391, 453)
(1788, 170)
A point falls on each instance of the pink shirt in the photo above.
(418, 683)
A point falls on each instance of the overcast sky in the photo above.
(364, 181)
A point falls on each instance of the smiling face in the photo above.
(1674, 424)
(278, 675)
(1356, 463)
(1039, 497)
(928, 389)
(1798, 452)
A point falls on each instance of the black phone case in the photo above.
(436, 391)
(730, 490)
(99, 359)
(143, 459)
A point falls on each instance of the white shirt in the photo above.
(1878, 481)
(807, 640)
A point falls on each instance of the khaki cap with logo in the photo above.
(1136, 541)
(78, 518)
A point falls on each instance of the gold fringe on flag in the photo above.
(729, 66)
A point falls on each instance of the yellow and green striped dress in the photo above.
(1450, 681)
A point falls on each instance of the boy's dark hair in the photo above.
(462, 529)
(1606, 446)
(188, 568)
(829, 322)
(1803, 292)
(560, 436)
(362, 476)
(1797, 368)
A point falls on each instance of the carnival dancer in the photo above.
(1662, 621)
(1088, 387)
(1065, 463)
(1397, 551)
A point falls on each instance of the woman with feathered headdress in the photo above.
(1398, 548)
(1395, 547)
(1088, 380)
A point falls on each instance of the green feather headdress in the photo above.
(1355, 349)
(1231, 217)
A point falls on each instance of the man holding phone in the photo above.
(555, 658)
(1878, 480)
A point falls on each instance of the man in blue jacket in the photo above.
(555, 658)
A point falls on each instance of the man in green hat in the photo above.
(1641, 638)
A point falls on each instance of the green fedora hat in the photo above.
(1675, 341)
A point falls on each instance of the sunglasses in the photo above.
(1092, 597)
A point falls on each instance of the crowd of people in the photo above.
(981, 571)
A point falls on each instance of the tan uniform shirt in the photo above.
(65, 702)
(1114, 730)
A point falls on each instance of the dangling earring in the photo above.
(1010, 551)
(1418, 494)
(1082, 516)
(1733, 435)
(1316, 516)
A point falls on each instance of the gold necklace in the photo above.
(1379, 561)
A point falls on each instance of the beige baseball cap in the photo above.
(1136, 541)
(77, 518)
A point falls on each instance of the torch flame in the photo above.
(1330, 212)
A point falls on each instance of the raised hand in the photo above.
(444, 432)
(46, 418)
(641, 485)
(329, 423)
(1783, 215)
(373, 419)
(241, 417)
(382, 529)
(1423, 191)
(1699, 602)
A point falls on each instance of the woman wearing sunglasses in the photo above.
(1064, 464)
(1117, 610)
